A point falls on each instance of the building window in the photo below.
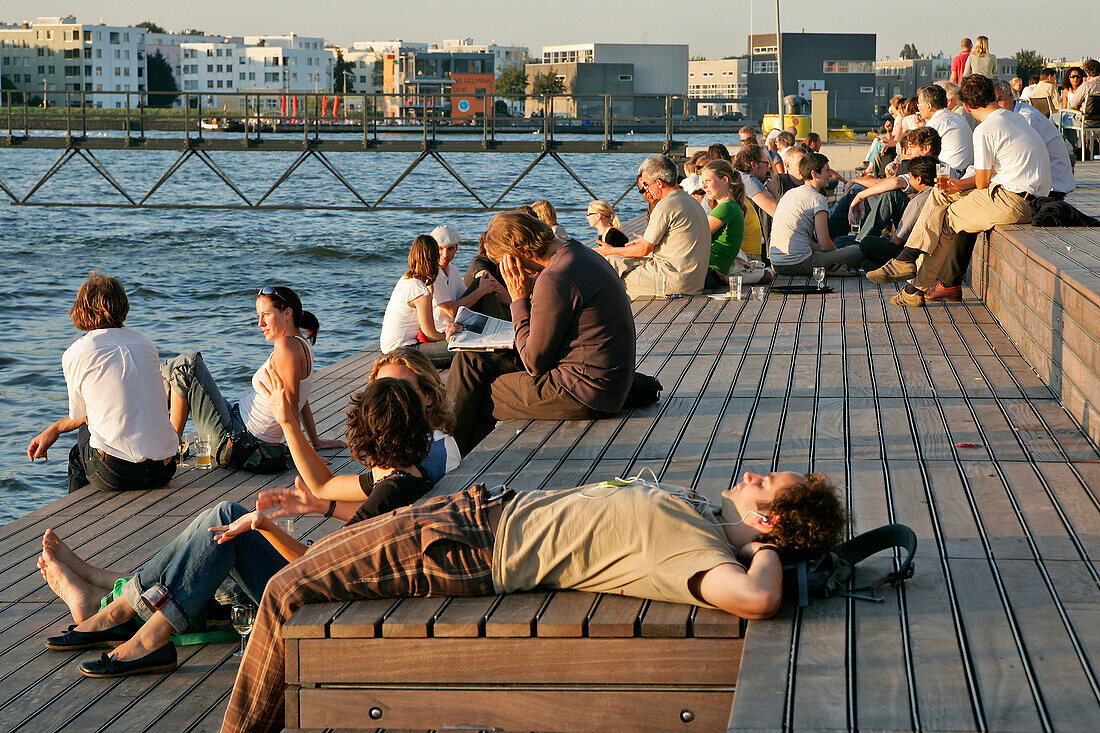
(626, 77)
(848, 67)
(866, 90)
(765, 67)
(765, 49)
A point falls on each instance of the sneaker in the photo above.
(893, 271)
(941, 292)
(909, 301)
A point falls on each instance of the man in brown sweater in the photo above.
(575, 339)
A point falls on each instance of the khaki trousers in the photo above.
(945, 215)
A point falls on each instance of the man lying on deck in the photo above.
(635, 539)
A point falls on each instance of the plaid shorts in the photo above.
(441, 547)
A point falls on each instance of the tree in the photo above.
(512, 82)
(196, 32)
(1028, 63)
(161, 80)
(377, 75)
(150, 26)
(547, 84)
(909, 51)
(342, 78)
(14, 96)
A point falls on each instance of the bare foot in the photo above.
(79, 595)
(62, 553)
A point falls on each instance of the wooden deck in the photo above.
(931, 417)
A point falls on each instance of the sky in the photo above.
(712, 29)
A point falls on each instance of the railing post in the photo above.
(141, 113)
(84, 114)
(607, 121)
(69, 115)
(128, 141)
(668, 123)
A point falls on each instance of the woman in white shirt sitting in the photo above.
(245, 434)
(409, 320)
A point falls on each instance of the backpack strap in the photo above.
(888, 536)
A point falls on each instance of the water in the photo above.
(191, 276)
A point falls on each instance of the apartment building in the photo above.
(447, 84)
(168, 46)
(54, 55)
(719, 86)
(502, 55)
(290, 64)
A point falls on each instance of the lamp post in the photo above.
(44, 82)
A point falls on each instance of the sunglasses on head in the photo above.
(271, 292)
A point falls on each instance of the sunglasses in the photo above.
(271, 292)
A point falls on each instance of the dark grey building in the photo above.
(596, 79)
(841, 63)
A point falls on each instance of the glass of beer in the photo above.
(736, 284)
(202, 452)
(942, 174)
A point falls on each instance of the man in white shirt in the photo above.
(1061, 170)
(117, 400)
(956, 137)
(672, 257)
(449, 290)
(1012, 169)
(800, 229)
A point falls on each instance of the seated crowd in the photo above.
(955, 161)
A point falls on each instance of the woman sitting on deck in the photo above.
(409, 319)
(387, 430)
(245, 434)
(605, 221)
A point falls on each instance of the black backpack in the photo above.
(828, 574)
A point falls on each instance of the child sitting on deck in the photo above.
(636, 540)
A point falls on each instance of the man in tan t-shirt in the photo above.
(617, 537)
(672, 256)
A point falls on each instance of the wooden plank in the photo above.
(361, 619)
(710, 623)
(666, 620)
(566, 614)
(523, 709)
(411, 618)
(464, 617)
(759, 703)
(516, 661)
(515, 615)
(615, 616)
(311, 621)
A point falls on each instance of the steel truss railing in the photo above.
(76, 118)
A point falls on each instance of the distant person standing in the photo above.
(981, 61)
(117, 402)
(672, 256)
(958, 64)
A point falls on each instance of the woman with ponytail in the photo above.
(245, 434)
(603, 219)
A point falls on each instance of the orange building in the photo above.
(468, 92)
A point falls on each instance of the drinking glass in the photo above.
(661, 291)
(736, 287)
(819, 277)
(759, 292)
(286, 524)
(243, 617)
(202, 453)
(943, 172)
(185, 443)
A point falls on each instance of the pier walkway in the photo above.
(932, 417)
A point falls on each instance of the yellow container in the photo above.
(802, 122)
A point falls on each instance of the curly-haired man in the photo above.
(636, 539)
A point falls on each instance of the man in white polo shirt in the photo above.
(117, 400)
(956, 137)
(1012, 169)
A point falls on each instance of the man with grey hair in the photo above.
(673, 254)
(954, 103)
(1061, 170)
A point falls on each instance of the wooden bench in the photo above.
(525, 661)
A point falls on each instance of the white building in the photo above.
(659, 68)
(717, 83)
(168, 46)
(56, 54)
(285, 64)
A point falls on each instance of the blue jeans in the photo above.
(188, 377)
(88, 465)
(186, 573)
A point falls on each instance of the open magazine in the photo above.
(480, 332)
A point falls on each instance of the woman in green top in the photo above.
(727, 218)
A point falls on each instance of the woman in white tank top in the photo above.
(245, 434)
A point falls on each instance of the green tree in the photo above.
(160, 80)
(1028, 63)
(512, 82)
(150, 26)
(909, 51)
(377, 75)
(342, 79)
(13, 95)
(544, 84)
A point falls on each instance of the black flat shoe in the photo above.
(161, 660)
(73, 640)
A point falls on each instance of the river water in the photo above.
(191, 275)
